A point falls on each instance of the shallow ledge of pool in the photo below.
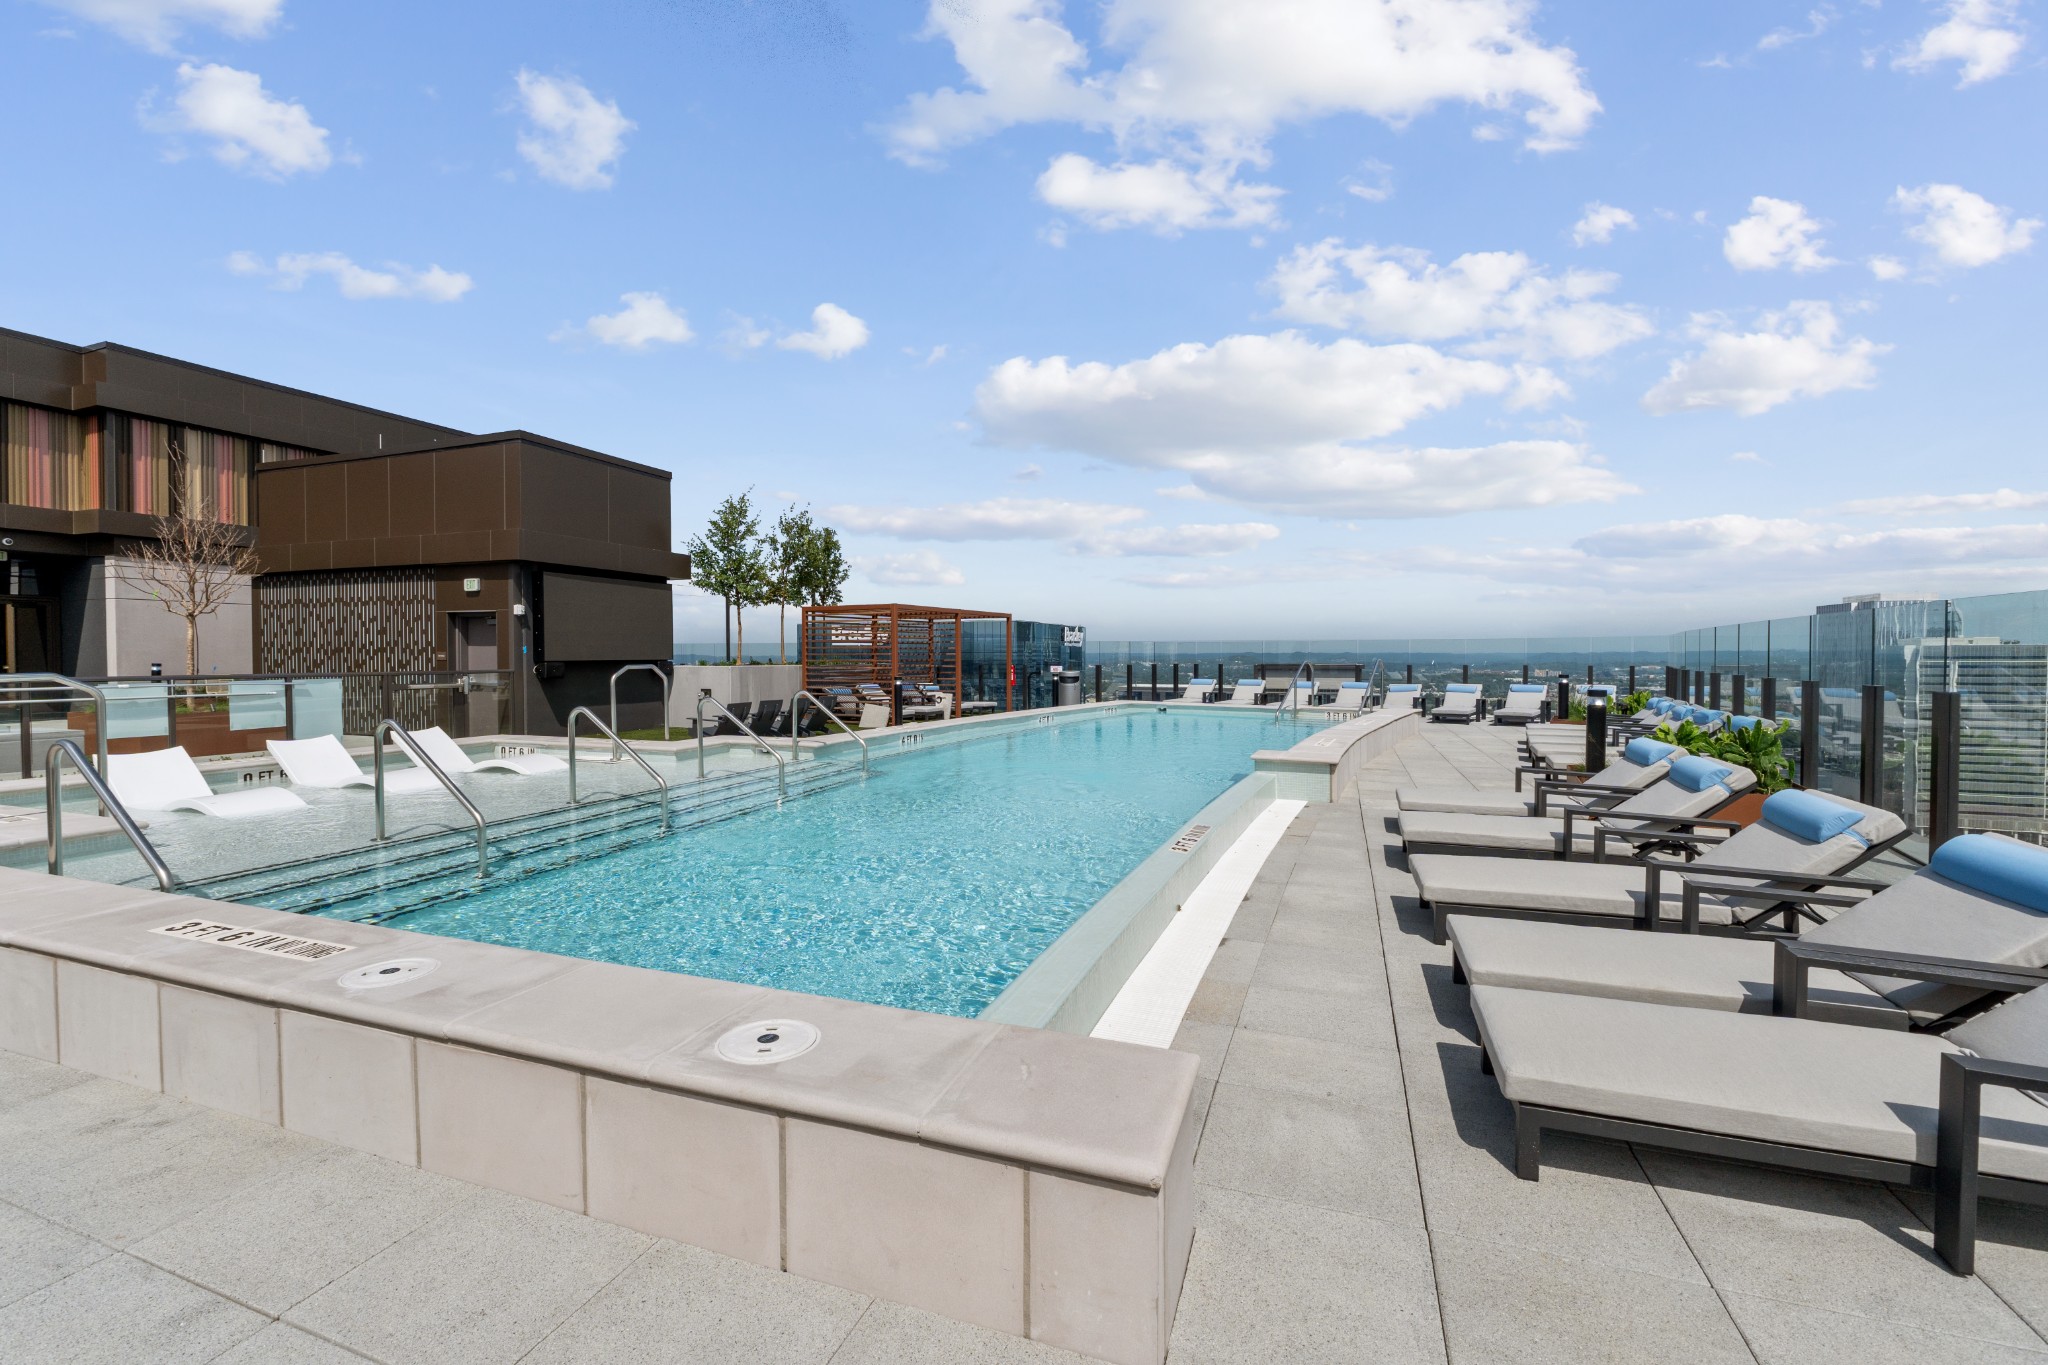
(1073, 981)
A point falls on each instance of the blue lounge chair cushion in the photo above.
(1809, 815)
(1696, 774)
(1647, 752)
(1528, 687)
(1461, 687)
(1404, 687)
(1201, 682)
(1744, 722)
(1251, 682)
(2005, 868)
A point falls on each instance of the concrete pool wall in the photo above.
(1025, 1180)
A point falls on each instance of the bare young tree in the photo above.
(193, 565)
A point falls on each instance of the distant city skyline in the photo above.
(1549, 319)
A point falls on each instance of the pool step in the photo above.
(408, 875)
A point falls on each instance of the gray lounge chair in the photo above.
(1524, 703)
(1403, 696)
(1959, 907)
(1962, 1116)
(1460, 703)
(1643, 762)
(1672, 811)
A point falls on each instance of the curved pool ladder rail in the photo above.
(781, 767)
(483, 855)
(53, 805)
(796, 721)
(1293, 696)
(618, 745)
(666, 683)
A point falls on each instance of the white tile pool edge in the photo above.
(1149, 1009)
(1027, 1181)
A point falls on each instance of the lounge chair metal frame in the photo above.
(1783, 894)
(1953, 1179)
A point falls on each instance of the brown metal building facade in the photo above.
(387, 544)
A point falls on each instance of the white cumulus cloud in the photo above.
(1161, 195)
(644, 319)
(157, 24)
(834, 333)
(1088, 528)
(1599, 223)
(1499, 301)
(1933, 504)
(917, 569)
(392, 281)
(1796, 352)
(1982, 37)
(1205, 84)
(572, 137)
(1777, 233)
(251, 129)
(1887, 267)
(1962, 228)
(1282, 421)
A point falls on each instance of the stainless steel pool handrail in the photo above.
(53, 818)
(796, 718)
(483, 856)
(666, 683)
(617, 745)
(56, 683)
(1294, 691)
(781, 768)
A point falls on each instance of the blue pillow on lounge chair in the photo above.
(1744, 722)
(1404, 687)
(1809, 815)
(1461, 687)
(1528, 687)
(1696, 774)
(1646, 752)
(2005, 868)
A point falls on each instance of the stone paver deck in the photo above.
(1356, 1203)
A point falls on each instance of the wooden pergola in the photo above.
(884, 643)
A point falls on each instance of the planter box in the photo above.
(1744, 810)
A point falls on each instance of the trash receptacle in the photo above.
(1066, 687)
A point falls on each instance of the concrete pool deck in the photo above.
(1354, 1201)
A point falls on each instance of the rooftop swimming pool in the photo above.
(929, 884)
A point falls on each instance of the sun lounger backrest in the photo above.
(320, 762)
(1620, 775)
(1693, 787)
(438, 745)
(2016, 1031)
(1797, 835)
(1982, 898)
(153, 780)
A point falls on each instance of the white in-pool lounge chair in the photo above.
(1642, 762)
(1403, 696)
(1248, 692)
(1523, 704)
(1671, 811)
(323, 762)
(1968, 904)
(436, 744)
(1963, 1115)
(1461, 702)
(1786, 866)
(168, 779)
(1199, 689)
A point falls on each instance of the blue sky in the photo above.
(1178, 318)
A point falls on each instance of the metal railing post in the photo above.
(1739, 688)
(1769, 703)
(1870, 781)
(483, 855)
(1098, 682)
(1809, 733)
(1714, 692)
(53, 808)
(1944, 770)
(1631, 680)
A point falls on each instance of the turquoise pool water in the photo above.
(929, 885)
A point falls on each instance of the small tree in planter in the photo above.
(195, 563)
(726, 561)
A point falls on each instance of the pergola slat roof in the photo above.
(882, 643)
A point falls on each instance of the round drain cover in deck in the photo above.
(396, 972)
(767, 1041)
